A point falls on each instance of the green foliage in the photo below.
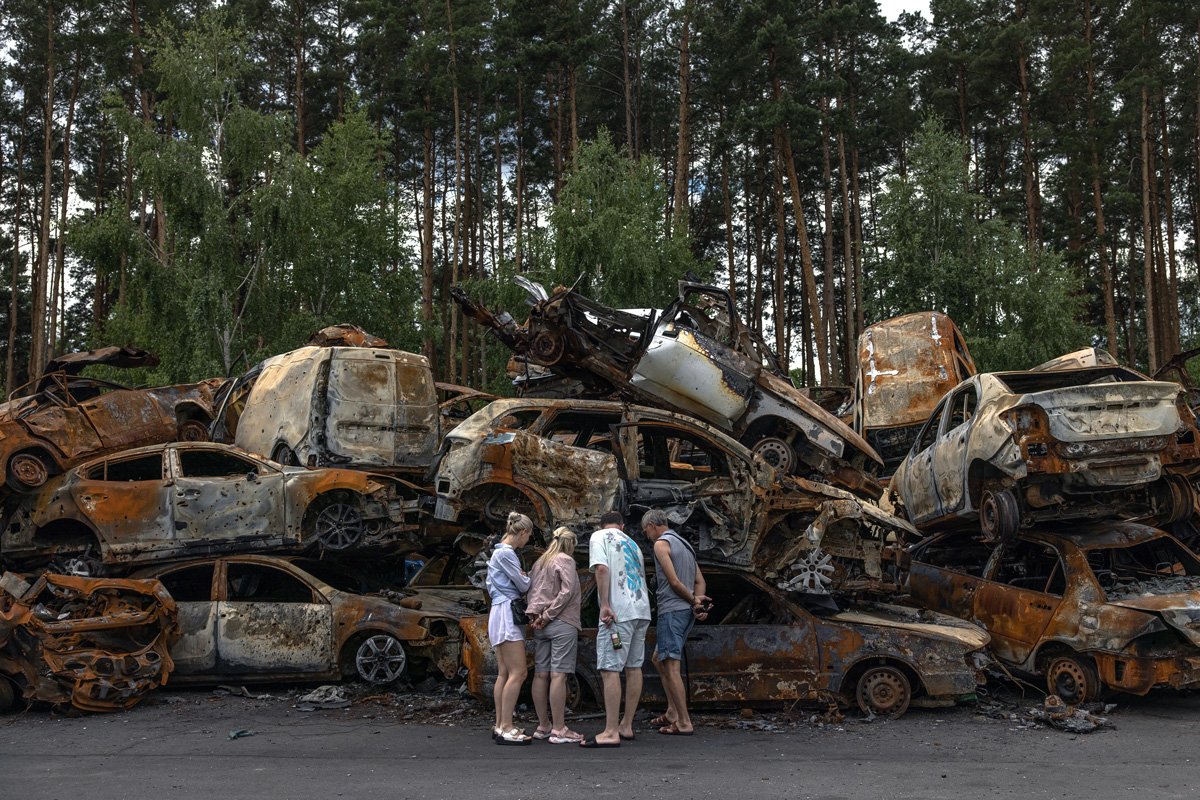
(609, 230)
(944, 251)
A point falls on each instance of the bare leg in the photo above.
(542, 698)
(513, 655)
(498, 689)
(633, 695)
(612, 707)
(676, 693)
(669, 714)
(558, 700)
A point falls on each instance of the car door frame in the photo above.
(1015, 642)
(227, 613)
(949, 454)
(920, 467)
(268, 488)
(183, 669)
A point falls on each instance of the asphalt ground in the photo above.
(177, 745)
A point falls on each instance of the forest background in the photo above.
(213, 181)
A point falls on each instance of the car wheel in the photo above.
(84, 563)
(192, 430)
(282, 454)
(8, 695)
(1073, 679)
(999, 514)
(883, 691)
(27, 471)
(1174, 499)
(380, 659)
(579, 692)
(776, 452)
(339, 525)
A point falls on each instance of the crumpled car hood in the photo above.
(1180, 611)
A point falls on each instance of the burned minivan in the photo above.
(364, 407)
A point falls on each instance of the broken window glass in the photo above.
(265, 585)
(143, 468)
(1029, 565)
(190, 584)
(957, 554)
(671, 455)
(214, 464)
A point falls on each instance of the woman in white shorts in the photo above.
(554, 600)
(505, 583)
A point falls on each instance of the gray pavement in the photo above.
(178, 746)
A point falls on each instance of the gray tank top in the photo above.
(683, 558)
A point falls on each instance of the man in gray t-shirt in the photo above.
(681, 601)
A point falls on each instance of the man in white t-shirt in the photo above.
(624, 618)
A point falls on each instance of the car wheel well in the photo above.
(850, 681)
(979, 474)
(496, 500)
(52, 467)
(65, 531)
(347, 665)
(340, 540)
(10, 693)
(1050, 651)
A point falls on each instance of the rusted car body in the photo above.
(1176, 369)
(260, 618)
(68, 418)
(190, 499)
(1111, 605)
(1085, 357)
(1011, 448)
(359, 407)
(695, 357)
(566, 462)
(762, 648)
(905, 366)
(98, 644)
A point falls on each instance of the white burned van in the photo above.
(335, 406)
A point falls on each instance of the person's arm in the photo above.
(564, 574)
(703, 602)
(510, 565)
(662, 552)
(597, 559)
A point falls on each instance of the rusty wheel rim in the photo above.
(883, 692)
(1069, 681)
(380, 659)
(777, 453)
(84, 564)
(339, 526)
(29, 470)
(193, 431)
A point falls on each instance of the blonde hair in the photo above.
(563, 541)
(518, 524)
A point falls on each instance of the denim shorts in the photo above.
(671, 633)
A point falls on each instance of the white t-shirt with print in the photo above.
(629, 598)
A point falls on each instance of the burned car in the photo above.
(360, 407)
(188, 499)
(695, 357)
(566, 462)
(1113, 605)
(261, 618)
(97, 644)
(66, 418)
(761, 647)
(1011, 448)
(905, 366)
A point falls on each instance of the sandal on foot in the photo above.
(543, 733)
(565, 736)
(593, 743)
(660, 721)
(513, 736)
(672, 730)
(496, 733)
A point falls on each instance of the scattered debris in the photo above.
(239, 691)
(241, 733)
(324, 698)
(1073, 719)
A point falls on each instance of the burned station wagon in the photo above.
(259, 618)
(567, 462)
(695, 357)
(1010, 448)
(189, 499)
(67, 418)
(761, 647)
(1112, 605)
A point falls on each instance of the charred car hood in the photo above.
(1179, 611)
(924, 623)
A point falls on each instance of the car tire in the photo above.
(8, 695)
(192, 430)
(282, 454)
(999, 514)
(883, 691)
(579, 693)
(1073, 679)
(337, 524)
(28, 471)
(379, 659)
(777, 453)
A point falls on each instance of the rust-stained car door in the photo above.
(219, 497)
(916, 478)
(754, 649)
(945, 573)
(272, 621)
(361, 415)
(1020, 597)
(948, 450)
(127, 500)
(124, 418)
(192, 587)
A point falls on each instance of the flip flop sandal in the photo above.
(593, 743)
(625, 738)
(566, 737)
(660, 721)
(671, 730)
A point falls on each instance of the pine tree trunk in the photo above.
(727, 203)
(452, 339)
(574, 112)
(299, 16)
(520, 199)
(58, 286)
(628, 84)
(10, 382)
(37, 346)
(835, 367)
(848, 284)
(1106, 278)
(1171, 275)
(498, 253)
(427, 237)
(777, 306)
(1148, 241)
(680, 205)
